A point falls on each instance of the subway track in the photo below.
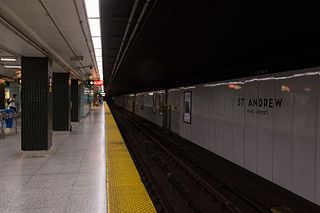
(183, 177)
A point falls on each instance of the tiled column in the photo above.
(36, 103)
(61, 102)
(2, 95)
(75, 100)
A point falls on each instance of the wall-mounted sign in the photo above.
(161, 103)
(187, 107)
(97, 82)
(91, 83)
(141, 102)
(260, 105)
(154, 100)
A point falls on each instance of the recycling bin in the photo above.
(9, 119)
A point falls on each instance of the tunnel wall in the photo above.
(266, 124)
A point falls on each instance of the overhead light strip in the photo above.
(8, 59)
(12, 66)
(93, 13)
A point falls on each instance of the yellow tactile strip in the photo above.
(125, 191)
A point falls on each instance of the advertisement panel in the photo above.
(187, 107)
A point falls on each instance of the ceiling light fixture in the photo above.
(8, 59)
(12, 66)
(92, 9)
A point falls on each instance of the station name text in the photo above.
(261, 102)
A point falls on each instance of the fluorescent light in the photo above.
(99, 59)
(96, 42)
(12, 66)
(92, 7)
(94, 25)
(98, 52)
(93, 13)
(8, 59)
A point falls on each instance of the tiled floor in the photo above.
(71, 179)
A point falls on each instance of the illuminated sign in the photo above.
(97, 82)
(91, 83)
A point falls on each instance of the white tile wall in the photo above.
(304, 136)
(211, 120)
(282, 145)
(318, 148)
(282, 156)
(238, 129)
(265, 132)
(251, 127)
(218, 115)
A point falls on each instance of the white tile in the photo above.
(16, 182)
(51, 181)
(265, 131)
(251, 128)
(282, 157)
(40, 198)
(50, 168)
(91, 179)
(84, 198)
(304, 137)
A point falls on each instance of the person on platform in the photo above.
(12, 103)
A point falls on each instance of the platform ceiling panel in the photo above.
(58, 24)
(184, 41)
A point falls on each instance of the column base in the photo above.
(61, 132)
(36, 153)
(74, 124)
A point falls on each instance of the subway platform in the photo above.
(72, 178)
(87, 170)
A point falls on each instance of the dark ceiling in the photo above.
(182, 42)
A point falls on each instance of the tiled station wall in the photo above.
(278, 142)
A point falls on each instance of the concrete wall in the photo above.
(267, 124)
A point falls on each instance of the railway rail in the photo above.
(181, 179)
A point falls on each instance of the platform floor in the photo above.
(71, 179)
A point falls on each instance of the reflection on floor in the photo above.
(71, 179)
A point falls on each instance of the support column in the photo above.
(75, 100)
(2, 95)
(61, 102)
(36, 103)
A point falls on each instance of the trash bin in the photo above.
(9, 120)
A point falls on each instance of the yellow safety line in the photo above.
(125, 190)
